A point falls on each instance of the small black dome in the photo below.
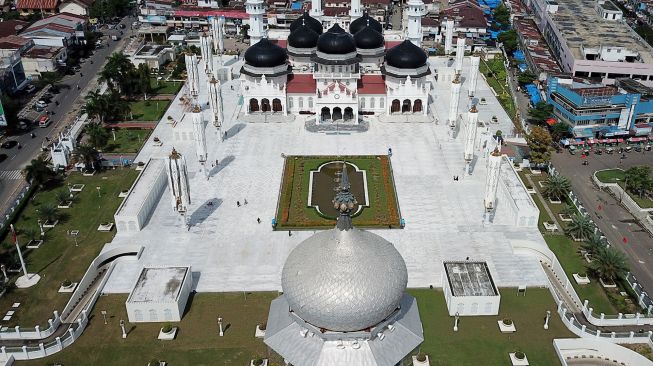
(265, 54)
(368, 38)
(406, 56)
(362, 22)
(307, 20)
(303, 37)
(336, 41)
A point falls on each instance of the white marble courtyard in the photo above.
(229, 251)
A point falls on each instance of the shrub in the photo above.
(167, 328)
(153, 362)
(507, 321)
(421, 357)
(520, 355)
(263, 325)
(258, 361)
(67, 283)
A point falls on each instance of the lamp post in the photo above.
(98, 192)
(4, 272)
(122, 327)
(41, 227)
(220, 326)
(74, 234)
(104, 315)
(113, 130)
(455, 324)
(546, 321)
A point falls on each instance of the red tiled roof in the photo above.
(371, 84)
(280, 42)
(206, 13)
(332, 11)
(300, 84)
(11, 27)
(469, 15)
(13, 42)
(37, 4)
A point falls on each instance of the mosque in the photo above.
(334, 74)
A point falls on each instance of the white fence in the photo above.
(590, 350)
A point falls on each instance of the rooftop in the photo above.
(37, 4)
(158, 284)
(151, 50)
(133, 203)
(371, 84)
(467, 14)
(42, 52)
(301, 84)
(470, 279)
(11, 27)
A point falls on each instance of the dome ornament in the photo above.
(344, 201)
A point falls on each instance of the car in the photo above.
(9, 144)
(77, 68)
(122, 26)
(3, 157)
(41, 104)
(30, 89)
(44, 121)
(135, 24)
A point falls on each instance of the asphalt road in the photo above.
(613, 220)
(17, 159)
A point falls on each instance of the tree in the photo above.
(63, 196)
(49, 78)
(539, 141)
(97, 135)
(609, 263)
(38, 172)
(580, 227)
(559, 130)
(540, 112)
(144, 80)
(88, 155)
(118, 73)
(594, 243)
(555, 187)
(48, 213)
(638, 179)
(97, 106)
(509, 40)
(502, 16)
(526, 77)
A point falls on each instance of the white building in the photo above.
(160, 294)
(469, 289)
(61, 151)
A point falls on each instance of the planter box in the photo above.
(70, 288)
(157, 143)
(554, 202)
(77, 187)
(549, 226)
(581, 280)
(140, 167)
(160, 363)
(34, 244)
(536, 172)
(565, 218)
(421, 363)
(68, 204)
(123, 194)
(167, 336)
(607, 284)
(265, 362)
(50, 225)
(89, 174)
(531, 190)
(259, 333)
(105, 227)
(517, 362)
(506, 328)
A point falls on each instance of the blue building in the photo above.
(596, 110)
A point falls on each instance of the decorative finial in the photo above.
(473, 109)
(304, 21)
(456, 80)
(344, 201)
(368, 21)
(197, 109)
(496, 152)
(174, 154)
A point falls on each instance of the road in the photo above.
(64, 113)
(612, 219)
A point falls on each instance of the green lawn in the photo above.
(498, 82)
(127, 140)
(58, 259)
(478, 340)
(150, 110)
(165, 87)
(618, 176)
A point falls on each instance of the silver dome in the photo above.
(344, 280)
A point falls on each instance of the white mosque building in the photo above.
(334, 74)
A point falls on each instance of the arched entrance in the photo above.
(326, 114)
(396, 106)
(337, 113)
(417, 107)
(253, 105)
(276, 105)
(405, 107)
(265, 105)
(349, 114)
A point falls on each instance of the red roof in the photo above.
(37, 4)
(371, 84)
(11, 27)
(468, 14)
(300, 84)
(212, 13)
(280, 42)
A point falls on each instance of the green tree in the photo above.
(63, 196)
(144, 80)
(87, 155)
(97, 135)
(559, 131)
(38, 172)
(97, 106)
(502, 16)
(540, 112)
(48, 212)
(638, 179)
(539, 141)
(594, 244)
(118, 73)
(580, 227)
(526, 77)
(556, 187)
(509, 40)
(49, 78)
(609, 263)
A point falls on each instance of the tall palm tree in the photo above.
(118, 106)
(97, 105)
(97, 135)
(594, 243)
(580, 227)
(38, 172)
(144, 80)
(63, 196)
(609, 263)
(86, 154)
(556, 187)
(116, 71)
(48, 213)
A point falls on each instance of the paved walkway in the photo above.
(544, 200)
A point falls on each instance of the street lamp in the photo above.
(220, 325)
(98, 192)
(104, 315)
(122, 327)
(74, 234)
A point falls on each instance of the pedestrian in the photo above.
(78, 87)
(216, 162)
(225, 134)
(258, 219)
(81, 75)
(232, 87)
(238, 203)
(56, 102)
(245, 200)
(289, 233)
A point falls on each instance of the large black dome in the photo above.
(406, 56)
(307, 20)
(336, 41)
(368, 38)
(303, 37)
(265, 54)
(362, 22)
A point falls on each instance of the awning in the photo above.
(637, 139)
(551, 121)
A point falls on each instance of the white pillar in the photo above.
(415, 11)
(256, 10)
(355, 10)
(492, 180)
(470, 134)
(473, 74)
(316, 9)
(192, 73)
(460, 53)
(199, 134)
(215, 102)
(453, 105)
(448, 36)
(221, 34)
(207, 52)
(178, 181)
(217, 33)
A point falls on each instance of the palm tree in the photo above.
(116, 72)
(38, 172)
(144, 80)
(580, 227)
(30, 233)
(63, 196)
(594, 243)
(556, 186)
(97, 135)
(86, 154)
(609, 263)
(48, 213)
(118, 106)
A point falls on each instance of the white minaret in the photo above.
(460, 53)
(316, 9)
(470, 137)
(217, 33)
(256, 10)
(220, 48)
(207, 52)
(448, 36)
(215, 102)
(415, 12)
(355, 10)
(473, 74)
(492, 182)
(453, 105)
(192, 73)
(199, 134)
(178, 183)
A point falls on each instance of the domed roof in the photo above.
(303, 37)
(406, 56)
(307, 20)
(368, 38)
(336, 41)
(362, 22)
(265, 54)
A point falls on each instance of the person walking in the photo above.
(237, 203)
(245, 200)
(258, 219)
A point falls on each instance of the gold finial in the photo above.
(174, 154)
(473, 109)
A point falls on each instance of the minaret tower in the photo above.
(470, 137)
(415, 12)
(199, 134)
(453, 105)
(460, 53)
(448, 36)
(492, 182)
(473, 74)
(178, 183)
(256, 10)
(215, 102)
(355, 11)
(192, 74)
(316, 9)
(207, 52)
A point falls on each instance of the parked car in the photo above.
(9, 144)
(30, 88)
(44, 121)
(122, 26)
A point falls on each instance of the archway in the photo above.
(396, 106)
(337, 113)
(265, 105)
(253, 105)
(405, 107)
(276, 105)
(349, 114)
(326, 114)
(417, 107)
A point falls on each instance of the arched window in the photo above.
(382, 102)
(310, 102)
(290, 102)
(362, 103)
(301, 102)
(372, 103)
(153, 315)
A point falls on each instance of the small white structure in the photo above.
(415, 11)
(207, 52)
(160, 294)
(469, 289)
(153, 55)
(256, 10)
(460, 53)
(492, 181)
(61, 150)
(199, 134)
(215, 102)
(316, 9)
(355, 10)
(136, 209)
(453, 105)
(470, 136)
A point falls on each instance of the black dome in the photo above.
(307, 20)
(368, 38)
(303, 37)
(336, 41)
(406, 56)
(265, 54)
(362, 22)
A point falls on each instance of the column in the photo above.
(473, 74)
(448, 36)
(256, 10)
(316, 9)
(415, 11)
(355, 11)
(460, 53)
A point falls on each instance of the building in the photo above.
(589, 39)
(77, 7)
(62, 150)
(12, 72)
(61, 30)
(43, 7)
(12, 27)
(160, 294)
(469, 289)
(469, 19)
(538, 57)
(154, 56)
(598, 110)
(40, 59)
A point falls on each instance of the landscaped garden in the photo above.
(147, 110)
(636, 181)
(163, 87)
(294, 212)
(127, 140)
(496, 75)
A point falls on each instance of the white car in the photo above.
(41, 104)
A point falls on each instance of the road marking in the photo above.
(641, 261)
(614, 227)
(10, 175)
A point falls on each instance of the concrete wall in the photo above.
(573, 349)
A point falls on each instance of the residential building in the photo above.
(77, 7)
(12, 27)
(43, 7)
(539, 58)
(12, 74)
(469, 19)
(154, 56)
(40, 59)
(61, 30)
